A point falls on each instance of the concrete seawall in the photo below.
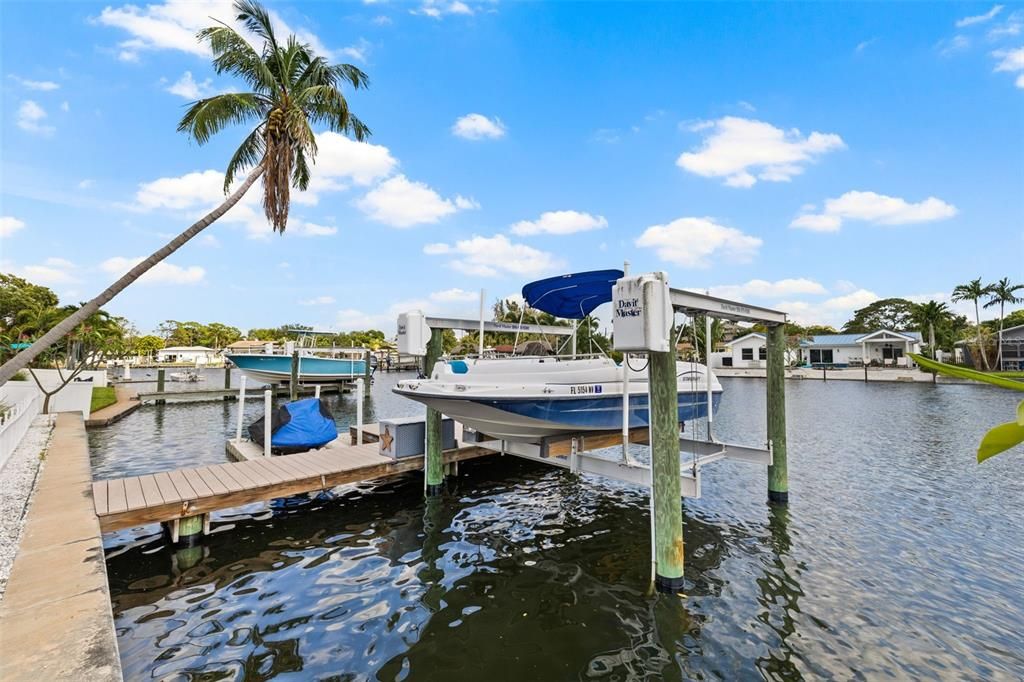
(55, 619)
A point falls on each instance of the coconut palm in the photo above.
(291, 89)
(927, 315)
(1001, 293)
(974, 291)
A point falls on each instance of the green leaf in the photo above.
(1000, 439)
(965, 373)
(1020, 413)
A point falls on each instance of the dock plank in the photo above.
(211, 481)
(151, 490)
(133, 493)
(197, 483)
(223, 473)
(166, 486)
(116, 500)
(99, 497)
(184, 488)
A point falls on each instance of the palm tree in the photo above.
(292, 89)
(974, 291)
(928, 315)
(1001, 293)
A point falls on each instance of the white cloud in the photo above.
(559, 222)
(955, 44)
(693, 242)
(173, 24)
(359, 162)
(1013, 26)
(435, 9)
(351, 319)
(45, 86)
(760, 288)
(381, 20)
(52, 271)
(400, 202)
(85, 184)
(359, 52)
(478, 127)
(198, 188)
(833, 311)
(9, 225)
(455, 295)
(65, 106)
(980, 18)
(161, 273)
(1012, 61)
(744, 151)
(318, 300)
(307, 229)
(863, 45)
(30, 117)
(187, 87)
(874, 208)
(493, 256)
(210, 241)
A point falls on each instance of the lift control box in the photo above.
(406, 437)
(413, 333)
(642, 313)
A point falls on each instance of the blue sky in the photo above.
(811, 157)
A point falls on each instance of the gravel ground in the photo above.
(17, 484)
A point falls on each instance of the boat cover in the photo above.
(297, 427)
(574, 296)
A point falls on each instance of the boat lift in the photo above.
(643, 309)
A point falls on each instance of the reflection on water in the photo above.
(897, 558)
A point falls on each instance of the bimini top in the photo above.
(573, 296)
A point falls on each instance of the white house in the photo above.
(749, 350)
(197, 355)
(881, 347)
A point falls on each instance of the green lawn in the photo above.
(102, 397)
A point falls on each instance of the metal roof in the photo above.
(853, 339)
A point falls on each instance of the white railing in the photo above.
(16, 414)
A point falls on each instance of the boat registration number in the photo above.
(585, 389)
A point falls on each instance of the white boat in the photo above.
(317, 365)
(189, 375)
(529, 398)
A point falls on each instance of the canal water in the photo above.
(898, 557)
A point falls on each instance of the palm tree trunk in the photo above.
(22, 359)
(999, 342)
(977, 322)
(931, 338)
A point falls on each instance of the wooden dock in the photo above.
(170, 495)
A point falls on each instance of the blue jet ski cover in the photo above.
(297, 427)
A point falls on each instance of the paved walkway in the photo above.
(55, 619)
(127, 403)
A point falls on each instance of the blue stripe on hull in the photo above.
(308, 366)
(601, 413)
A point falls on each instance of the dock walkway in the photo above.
(166, 496)
(55, 618)
(126, 403)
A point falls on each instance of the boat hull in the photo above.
(274, 369)
(531, 418)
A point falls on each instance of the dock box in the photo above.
(406, 436)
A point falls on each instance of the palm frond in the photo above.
(211, 115)
(257, 20)
(300, 176)
(234, 55)
(248, 155)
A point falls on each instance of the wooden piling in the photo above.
(227, 380)
(668, 509)
(294, 382)
(433, 466)
(366, 373)
(160, 384)
(778, 472)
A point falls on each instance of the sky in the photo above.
(807, 157)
